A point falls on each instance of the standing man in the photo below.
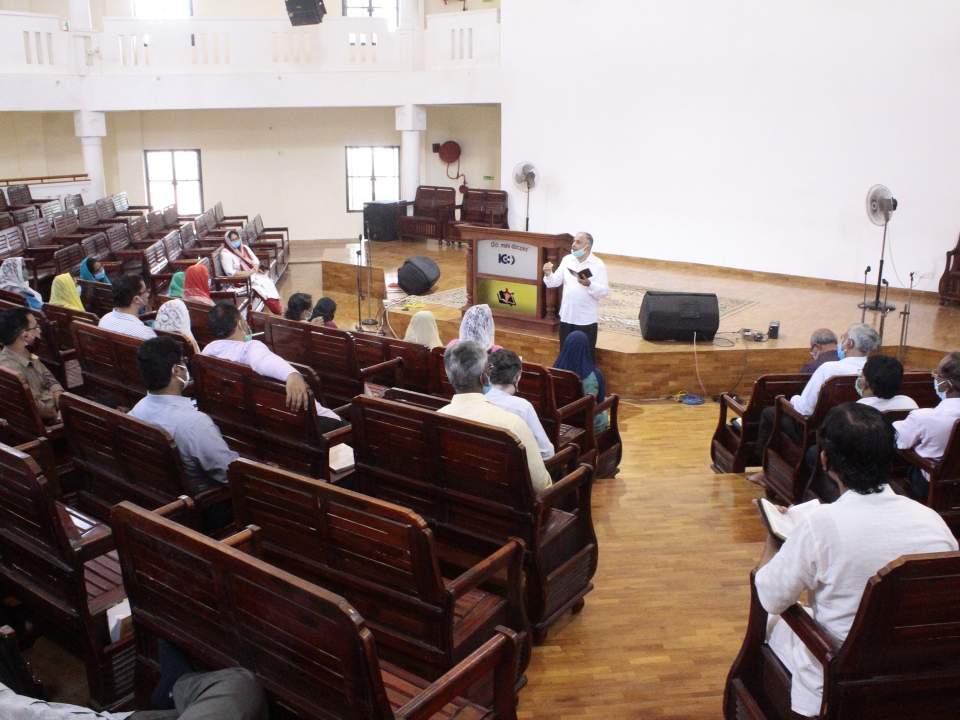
(584, 279)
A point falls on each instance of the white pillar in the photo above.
(79, 15)
(411, 122)
(410, 14)
(91, 127)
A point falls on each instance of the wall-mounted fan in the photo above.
(525, 178)
(880, 207)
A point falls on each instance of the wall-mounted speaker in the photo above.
(306, 12)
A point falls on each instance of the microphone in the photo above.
(867, 271)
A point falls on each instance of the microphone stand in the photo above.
(359, 325)
(368, 321)
(883, 308)
(863, 314)
(876, 304)
(905, 322)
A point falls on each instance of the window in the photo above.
(162, 8)
(389, 9)
(373, 175)
(173, 176)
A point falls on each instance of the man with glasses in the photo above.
(131, 298)
(18, 331)
(823, 348)
(928, 430)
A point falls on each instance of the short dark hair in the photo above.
(156, 358)
(325, 308)
(12, 323)
(884, 374)
(950, 369)
(125, 289)
(859, 444)
(504, 366)
(297, 305)
(223, 319)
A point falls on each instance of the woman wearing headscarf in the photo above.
(173, 316)
(12, 280)
(477, 325)
(575, 357)
(423, 330)
(196, 285)
(324, 312)
(238, 260)
(63, 292)
(91, 269)
(176, 285)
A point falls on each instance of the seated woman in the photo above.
(196, 285)
(298, 307)
(92, 269)
(575, 357)
(324, 312)
(423, 330)
(238, 260)
(176, 285)
(63, 292)
(173, 316)
(477, 326)
(13, 280)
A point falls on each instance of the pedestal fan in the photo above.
(525, 177)
(880, 207)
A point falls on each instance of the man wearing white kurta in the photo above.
(582, 292)
(840, 546)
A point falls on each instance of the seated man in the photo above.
(205, 455)
(927, 430)
(505, 370)
(130, 298)
(466, 366)
(823, 348)
(878, 385)
(18, 331)
(235, 343)
(838, 547)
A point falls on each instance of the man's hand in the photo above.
(585, 281)
(548, 269)
(297, 392)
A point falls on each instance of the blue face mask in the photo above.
(235, 244)
(841, 352)
(579, 253)
(942, 394)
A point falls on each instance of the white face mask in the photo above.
(185, 380)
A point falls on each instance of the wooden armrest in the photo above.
(784, 406)
(498, 654)
(732, 403)
(128, 254)
(282, 229)
(181, 503)
(95, 542)
(245, 218)
(583, 475)
(371, 370)
(510, 553)
(138, 207)
(811, 634)
(340, 435)
(911, 456)
(567, 455)
(247, 540)
(271, 237)
(577, 406)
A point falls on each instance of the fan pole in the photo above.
(527, 226)
(876, 304)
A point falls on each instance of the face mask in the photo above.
(841, 352)
(186, 371)
(858, 385)
(942, 394)
(579, 253)
(235, 244)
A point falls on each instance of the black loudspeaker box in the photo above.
(417, 275)
(305, 12)
(677, 316)
(380, 220)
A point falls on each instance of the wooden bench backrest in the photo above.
(25, 214)
(258, 225)
(18, 408)
(138, 231)
(155, 259)
(60, 318)
(3, 200)
(172, 247)
(71, 202)
(66, 223)
(88, 216)
(768, 387)
(122, 458)
(155, 223)
(199, 322)
(109, 362)
(97, 246)
(105, 208)
(308, 648)
(188, 235)
(170, 216)
(11, 242)
(121, 201)
(97, 296)
(835, 391)
(49, 210)
(439, 385)
(202, 226)
(372, 349)
(436, 202)
(36, 232)
(19, 194)
(6, 220)
(919, 386)
(68, 258)
(484, 207)
(417, 399)
(118, 237)
(11, 299)
(945, 482)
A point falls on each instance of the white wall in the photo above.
(35, 144)
(742, 133)
(432, 7)
(477, 129)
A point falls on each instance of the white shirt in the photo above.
(476, 407)
(125, 324)
(523, 409)
(927, 430)
(263, 361)
(578, 305)
(831, 555)
(21, 707)
(897, 402)
(805, 402)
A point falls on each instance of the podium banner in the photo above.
(507, 259)
(508, 296)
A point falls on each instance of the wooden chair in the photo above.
(47, 348)
(901, 658)
(23, 215)
(734, 445)
(383, 560)
(12, 244)
(227, 221)
(783, 459)
(108, 361)
(944, 476)
(40, 248)
(471, 483)
(72, 201)
(107, 212)
(278, 237)
(486, 208)
(60, 563)
(6, 220)
(121, 203)
(308, 648)
(413, 372)
(156, 267)
(251, 412)
(89, 219)
(97, 297)
(20, 195)
(60, 319)
(121, 251)
(97, 246)
(433, 208)
(67, 260)
(122, 458)
(67, 230)
(919, 386)
(19, 410)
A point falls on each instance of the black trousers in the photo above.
(589, 330)
(231, 694)
(766, 430)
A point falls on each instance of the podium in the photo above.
(505, 271)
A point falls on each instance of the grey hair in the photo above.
(823, 336)
(465, 363)
(865, 338)
(588, 236)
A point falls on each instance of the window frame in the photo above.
(373, 178)
(173, 165)
(343, 9)
(193, 10)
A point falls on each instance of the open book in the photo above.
(781, 524)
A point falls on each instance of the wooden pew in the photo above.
(47, 348)
(309, 649)
(433, 208)
(734, 446)
(944, 475)
(900, 660)
(383, 560)
(19, 410)
(251, 412)
(413, 373)
(122, 458)
(471, 483)
(262, 237)
(486, 208)
(60, 564)
(97, 297)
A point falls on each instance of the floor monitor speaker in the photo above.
(417, 275)
(305, 12)
(677, 316)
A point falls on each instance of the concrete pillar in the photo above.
(91, 128)
(410, 14)
(411, 122)
(80, 16)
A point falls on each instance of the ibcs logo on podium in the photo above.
(507, 259)
(505, 297)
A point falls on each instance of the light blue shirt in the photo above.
(205, 455)
(522, 408)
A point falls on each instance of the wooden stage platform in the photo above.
(642, 370)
